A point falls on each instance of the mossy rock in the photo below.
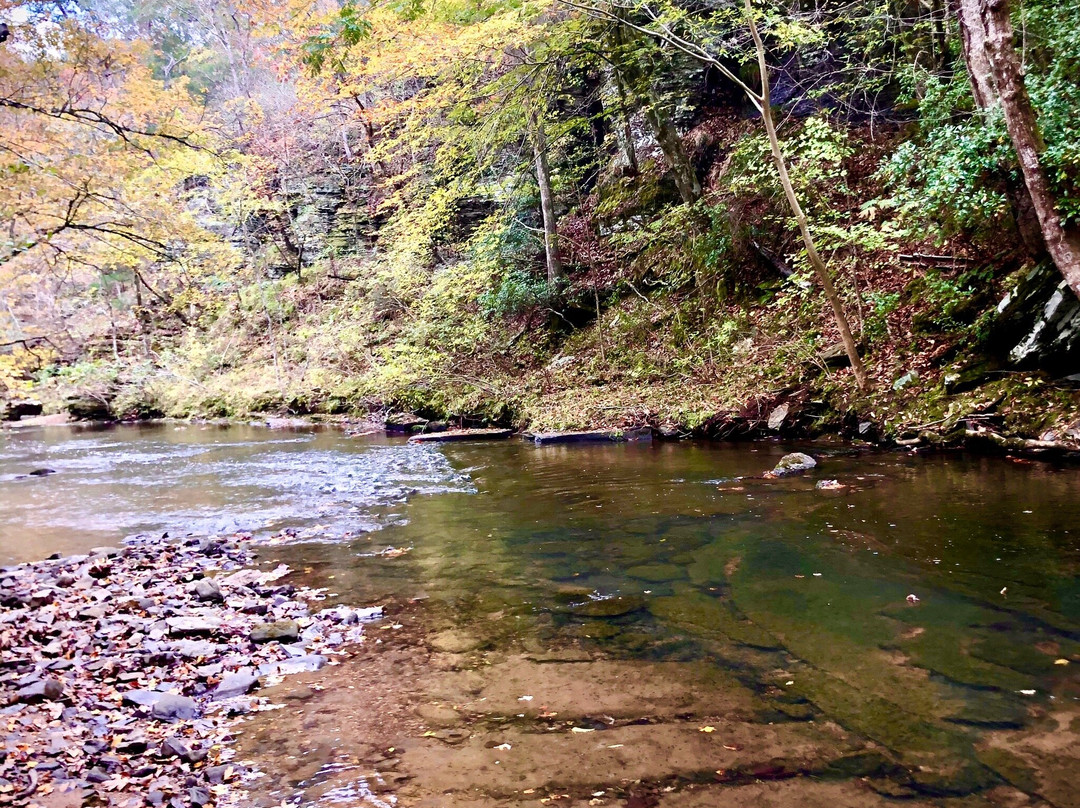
(609, 607)
(1011, 768)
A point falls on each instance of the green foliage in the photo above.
(816, 154)
(876, 322)
(1055, 93)
(516, 291)
(948, 302)
(954, 178)
(349, 28)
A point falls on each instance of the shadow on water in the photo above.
(930, 608)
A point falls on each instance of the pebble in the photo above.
(123, 670)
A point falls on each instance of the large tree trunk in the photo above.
(547, 202)
(997, 64)
(984, 91)
(818, 264)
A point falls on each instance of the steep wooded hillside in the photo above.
(553, 214)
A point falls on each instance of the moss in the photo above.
(711, 616)
(1012, 769)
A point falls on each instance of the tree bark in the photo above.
(984, 91)
(973, 44)
(988, 22)
(818, 264)
(671, 144)
(547, 201)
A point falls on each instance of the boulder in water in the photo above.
(794, 463)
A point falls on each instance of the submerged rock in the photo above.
(609, 607)
(454, 642)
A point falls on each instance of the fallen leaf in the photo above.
(706, 729)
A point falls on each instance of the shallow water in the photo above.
(114, 482)
(656, 553)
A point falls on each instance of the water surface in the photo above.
(932, 605)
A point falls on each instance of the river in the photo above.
(912, 634)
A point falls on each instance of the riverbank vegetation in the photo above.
(547, 214)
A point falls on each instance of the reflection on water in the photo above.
(660, 552)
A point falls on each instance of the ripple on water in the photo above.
(120, 482)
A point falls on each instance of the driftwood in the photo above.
(934, 260)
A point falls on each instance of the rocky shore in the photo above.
(124, 673)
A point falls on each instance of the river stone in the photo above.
(777, 416)
(303, 664)
(216, 775)
(207, 589)
(171, 707)
(45, 690)
(174, 747)
(235, 684)
(454, 642)
(142, 698)
(286, 631)
(794, 463)
(438, 715)
(193, 649)
(609, 607)
(189, 626)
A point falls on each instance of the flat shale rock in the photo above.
(456, 435)
(284, 631)
(121, 671)
(236, 684)
(44, 690)
(190, 627)
(171, 707)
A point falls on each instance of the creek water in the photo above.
(931, 605)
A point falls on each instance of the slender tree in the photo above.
(547, 200)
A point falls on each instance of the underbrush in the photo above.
(669, 313)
